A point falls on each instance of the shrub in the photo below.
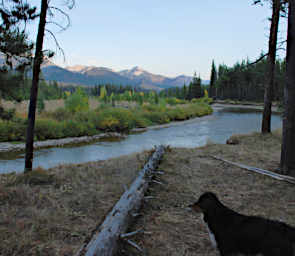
(77, 102)
(157, 117)
(7, 115)
(178, 114)
(205, 100)
(72, 128)
(48, 129)
(115, 119)
(142, 122)
(11, 131)
(154, 108)
(109, 124)
(60, 114)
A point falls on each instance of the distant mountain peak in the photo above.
(84, 69)
(137, 68)
(137, 71)
(76, 68)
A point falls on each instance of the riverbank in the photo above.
(6, 147)
(16, 147)
(54, 212)
(63, 124)
(246, 106)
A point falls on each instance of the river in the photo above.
(217, 127)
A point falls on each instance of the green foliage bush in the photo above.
(11, 131)
(142, 122)
(77, 102)
(154, 108)
(73, 128)
(48, 129)
(115, 119)
(157, 117)
(178, 114)
(174, 101)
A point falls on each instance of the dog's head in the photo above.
(206, 202)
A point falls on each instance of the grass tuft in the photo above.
(38, 176)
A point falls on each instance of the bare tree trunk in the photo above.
(288, 141)
(34, 89)
(272, 48)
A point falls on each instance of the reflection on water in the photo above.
(217, 127)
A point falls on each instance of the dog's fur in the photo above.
(240, 234)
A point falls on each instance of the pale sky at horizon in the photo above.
(163, 37)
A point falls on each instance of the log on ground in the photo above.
(105, 241)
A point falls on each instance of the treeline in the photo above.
(112, 89)
(15, 86)
(245, 81)
(193, 90)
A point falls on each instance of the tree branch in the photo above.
(63, 13)
(62, 28)
(259, 59)
(56, 43)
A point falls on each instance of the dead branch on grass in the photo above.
(274, 175)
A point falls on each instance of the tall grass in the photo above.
(63, 123)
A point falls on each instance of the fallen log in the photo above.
(274, 175)
(105, 240)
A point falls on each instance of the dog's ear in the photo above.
(195, 207)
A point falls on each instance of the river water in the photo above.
(217, 127)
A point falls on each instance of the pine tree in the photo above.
(189, 91)
(14, 14)
(14, 47)
(184, 92)
(213, 78)
(196, 89)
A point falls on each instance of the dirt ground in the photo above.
(53, 212)
(174, 231)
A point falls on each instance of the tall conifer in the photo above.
(213, 78)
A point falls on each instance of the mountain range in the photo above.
(91, 75)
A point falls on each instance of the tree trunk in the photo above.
(288, 141)
(271, 60)
(34, 89)
(105, 242)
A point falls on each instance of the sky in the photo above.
(167, 37)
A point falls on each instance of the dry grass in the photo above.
(190, 172)
(53, 212)
(21, 108)
(52, 105)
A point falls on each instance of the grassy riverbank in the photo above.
(62, 123)
(52, 213)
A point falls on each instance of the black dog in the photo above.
(248, 235)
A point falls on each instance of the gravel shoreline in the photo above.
(10, 147)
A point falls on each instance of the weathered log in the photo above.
(274, 175)
(105, 240)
